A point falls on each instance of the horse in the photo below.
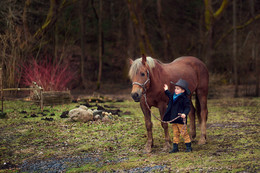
(149, 75)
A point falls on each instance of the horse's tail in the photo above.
(198, 108)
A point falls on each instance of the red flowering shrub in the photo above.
(51, 76)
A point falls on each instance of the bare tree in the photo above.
(210, 18)
(100, 44)
(255, 45)
(235, 48)
(82, 41)
(163, 28)
(136, 13)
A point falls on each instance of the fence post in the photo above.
(2, 114)
(41, 99)
(1, 87)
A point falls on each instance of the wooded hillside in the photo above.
(95, 38)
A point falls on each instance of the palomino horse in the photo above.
(149, 75)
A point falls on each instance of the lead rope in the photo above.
(179, 115)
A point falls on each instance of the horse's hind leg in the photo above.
(202, 97)
(192, 123)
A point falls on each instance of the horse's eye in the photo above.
(142, 74)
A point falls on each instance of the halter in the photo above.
(143, 85)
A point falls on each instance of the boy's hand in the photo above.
(165, 87)
(183, 115)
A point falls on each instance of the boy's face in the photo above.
(179, 90)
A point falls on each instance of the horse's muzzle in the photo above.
(136, 96)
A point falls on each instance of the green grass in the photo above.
(233, 139)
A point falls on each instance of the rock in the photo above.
(83, 107)
(106, 119)
(115, 112)
(97, 112)
(81, 114)
(97, 117)
(104, 113)
(90, 112)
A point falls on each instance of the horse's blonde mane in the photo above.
(137, 63)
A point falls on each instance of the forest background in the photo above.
(85, 44)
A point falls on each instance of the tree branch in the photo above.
(52, 16)
(217, 14)
(237, 27)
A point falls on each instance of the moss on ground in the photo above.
(233, 139)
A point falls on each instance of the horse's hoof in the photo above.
(202, 141)
(166, 146)
(147, 150)
(148, 147)
(192, 139)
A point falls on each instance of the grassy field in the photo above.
(27, 141)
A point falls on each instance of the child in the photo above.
(179, 103)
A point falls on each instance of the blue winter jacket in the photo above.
(180, 105)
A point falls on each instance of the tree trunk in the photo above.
(235, 48)
(255, 49)
(257, 92)
(131, 39)
(163, 28)
(24, 18)
(136, 15)
(1, 88)
(56, 42)
(210, 18)
(209, 48)
(100, 45)
(209, 22)
(82, 42)
(49, 21)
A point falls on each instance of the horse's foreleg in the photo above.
(167, 146)
(203, 118)
(192, 123)
(149, 126)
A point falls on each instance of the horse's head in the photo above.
(140, 75)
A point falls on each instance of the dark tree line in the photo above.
(97, 37)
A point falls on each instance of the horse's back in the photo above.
(189, 60)
(194, 68)
(192, 62)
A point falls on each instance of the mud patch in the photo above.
(231, 125)
(7, 165)
(242, 102)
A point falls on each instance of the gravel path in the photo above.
(54, 165)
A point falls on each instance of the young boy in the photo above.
(179, 103)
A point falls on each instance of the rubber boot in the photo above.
(175, 148)
(188, 147)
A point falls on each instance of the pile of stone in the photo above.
(83, 114)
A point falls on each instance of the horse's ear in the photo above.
(130, 61)
(143, 59)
